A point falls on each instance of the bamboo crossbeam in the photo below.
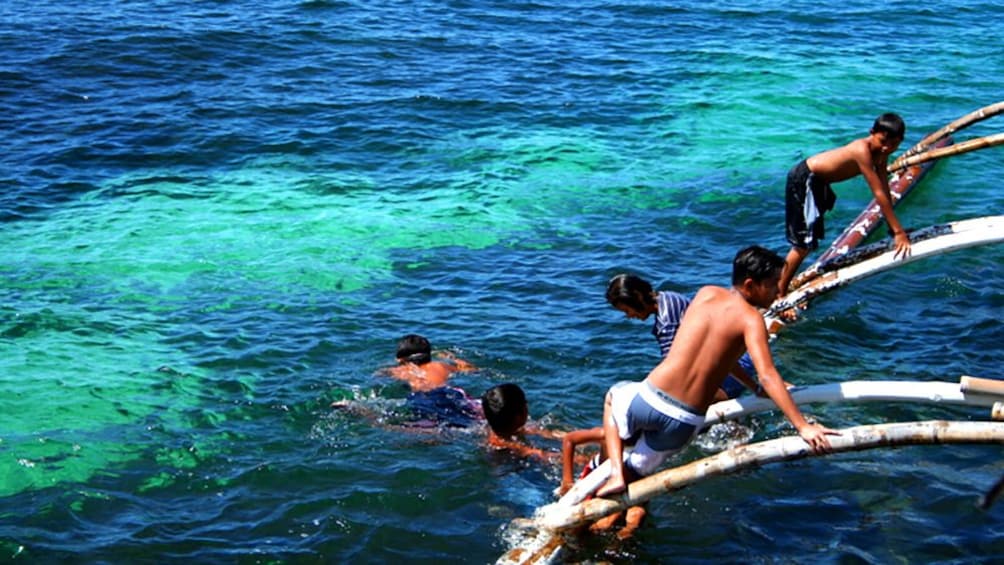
(957, 125)
(976, 385)
(956, 149)
(791, 448)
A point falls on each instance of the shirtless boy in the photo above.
(667, 408)
(507, 412)
(416, 367)
(634, 296)
(808, 195)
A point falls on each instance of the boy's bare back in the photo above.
(842, 163)
(424, 377)
(711, 339)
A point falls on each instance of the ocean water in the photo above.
(216, 218)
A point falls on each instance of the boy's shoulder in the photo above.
(709, 293)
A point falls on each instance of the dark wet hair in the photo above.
(414, 348)
(755, 263)
(505, 408)
(890, 124)
(630, 290)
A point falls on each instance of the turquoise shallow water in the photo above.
(217, 218)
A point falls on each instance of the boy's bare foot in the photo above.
(604, 523)
(632, 519)
(615, 485)
(627, 532)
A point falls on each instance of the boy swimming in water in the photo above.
(808, 195)
(506, 410)
(416, 367)
(432, 403)
(666, 410)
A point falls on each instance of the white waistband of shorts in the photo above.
(671, 410)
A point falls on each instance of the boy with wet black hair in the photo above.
(808, 195)
(665, 411)
(416, 367)
(634, 296)
(506, 410)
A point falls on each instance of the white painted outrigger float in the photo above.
(878, 257)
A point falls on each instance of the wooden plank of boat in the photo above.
(881, 256)
(901, 184)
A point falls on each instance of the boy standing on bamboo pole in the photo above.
(666, 410)
(808, 195)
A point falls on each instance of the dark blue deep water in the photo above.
(217, 217)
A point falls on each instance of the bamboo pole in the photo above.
(956, 149)
(969, 391)
(791, 448)
(977, 385)
(963, 122)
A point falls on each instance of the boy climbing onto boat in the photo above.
(634, 296)
(667, 409)
(808, 195)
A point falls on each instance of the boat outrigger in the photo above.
(539, 539)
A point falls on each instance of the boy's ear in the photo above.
(748, 285)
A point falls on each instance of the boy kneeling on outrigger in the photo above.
(666, 410)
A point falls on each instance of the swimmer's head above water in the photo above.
(505, 408)
(414, 348)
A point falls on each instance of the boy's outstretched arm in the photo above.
(458, 363)
(755, 333)
(877, 177)
(568, 444)
(519, 448)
